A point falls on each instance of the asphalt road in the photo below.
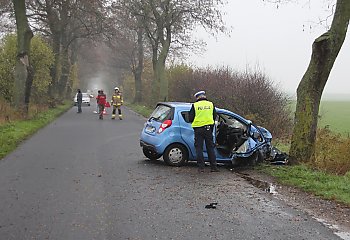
(84, 178)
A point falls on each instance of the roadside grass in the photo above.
(15, 132)
(140, 109)
(325, 185)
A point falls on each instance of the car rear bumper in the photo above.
(143, 144)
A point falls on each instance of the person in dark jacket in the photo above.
(79, 100)
(202, 116)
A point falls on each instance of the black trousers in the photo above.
(202, 134)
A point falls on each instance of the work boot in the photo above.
(214, 169)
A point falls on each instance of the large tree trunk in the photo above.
(72, 85)
(155, 82)
(56, 68)
(325, 50)
(65, 74)
(139, 67)
(23, 72)
(161, 81)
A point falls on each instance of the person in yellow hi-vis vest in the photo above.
(117, 101)
(202, 116)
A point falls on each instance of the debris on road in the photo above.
(211, 205)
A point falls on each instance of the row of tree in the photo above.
(155, 30)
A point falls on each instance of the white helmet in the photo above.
(116, 89)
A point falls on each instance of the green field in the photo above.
(335, 115)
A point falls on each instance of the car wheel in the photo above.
(175, 155)
(89, 104)
(152, 155)
(256, 158)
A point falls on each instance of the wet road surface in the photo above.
(83, 178)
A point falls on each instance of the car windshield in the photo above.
(231, 121)
(161, 113)
(85, 95)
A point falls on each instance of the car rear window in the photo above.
(162, 113)
(85, 95)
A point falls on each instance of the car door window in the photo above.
(185, 115)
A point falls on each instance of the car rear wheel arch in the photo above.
(175, 154)
(150, 154)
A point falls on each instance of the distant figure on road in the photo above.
(97, 107)
(117, 101)
(101, 102)
(79, 100)
(202, 116)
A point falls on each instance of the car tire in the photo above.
(152, 155)
(256, 158)
(89, 104)
(175, 155)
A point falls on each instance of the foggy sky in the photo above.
(277, 40)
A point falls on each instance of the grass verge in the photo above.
(327, 186)
(141, 109)
(11, 134)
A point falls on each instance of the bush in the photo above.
(250, 94)
(42, 59)
(332, 152)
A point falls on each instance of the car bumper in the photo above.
(143, 144)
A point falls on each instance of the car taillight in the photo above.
(164, 125)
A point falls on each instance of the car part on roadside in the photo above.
(277, 157)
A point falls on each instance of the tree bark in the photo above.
(24, 73)
(325, 50)
(139, 67)
(161, 83)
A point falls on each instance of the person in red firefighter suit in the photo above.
(101, 101)
(117, 102)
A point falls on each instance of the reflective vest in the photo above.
(203, 113)
(117, 99)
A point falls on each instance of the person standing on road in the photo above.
(202, 116)
(101, 101)
(79, 100)
(117, 102)
(97, 106)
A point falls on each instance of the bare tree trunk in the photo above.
(139, 67)
(65, 73)
(325, 50)
(155, 82)
(55, 71)
(159, 69)
(23, 72)
(164, 81)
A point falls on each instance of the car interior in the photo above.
(230, 133)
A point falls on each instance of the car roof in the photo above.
(187, 106)
(176, 104)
